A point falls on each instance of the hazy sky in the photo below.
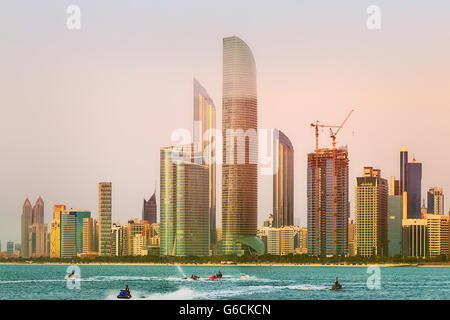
(96, 104)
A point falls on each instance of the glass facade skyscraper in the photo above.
(240, 150)
(80, 215)
(414, 188)
(204, 124)
(283, 181)
(184, 205)
(403, 165)
(149, 209)
(68, 234)
(395, 215)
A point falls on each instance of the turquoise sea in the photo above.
(269, 283)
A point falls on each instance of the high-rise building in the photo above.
(38, 211)
(38, 240)
(149, 209)
(435, 203)
(371, 213)
(403, 169)
(352, 239)
(283, 181)
(240, 150)
(80, 216)
(55, 231)
(328, 230)
(273, 241)
(96, 232)
(414, 187)
(303, 240)
(68, 234)
(287, 235)
(438, 242)
(117, 240)
(414, 238)
(395, 188)
(88, 247)
(105, 213)
(395, 216)
(185, 228)
(10, 248)
(25, 223)
(131, 230)
(204, 124)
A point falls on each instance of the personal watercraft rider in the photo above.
(337, 285)
(127, 290)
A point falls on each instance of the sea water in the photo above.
(99, 282)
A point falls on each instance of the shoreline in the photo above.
(233, 265)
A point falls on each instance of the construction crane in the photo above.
(333, 135)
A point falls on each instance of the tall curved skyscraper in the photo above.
(240, 150)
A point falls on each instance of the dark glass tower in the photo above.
(149, 210)
(414, 178)
(403, 165)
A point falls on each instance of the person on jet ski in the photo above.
(127, 290)
(194, 277)
(337, 285)
(219, 274)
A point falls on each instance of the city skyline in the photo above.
(78, 175)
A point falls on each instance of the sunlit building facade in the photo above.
(184, 206)
(240, 150)
(88, 246)
(371, 213)
(55, 231)
(283, 180)
(438, 232)
(204, 124)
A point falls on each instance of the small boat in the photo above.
(124, 295)
(243, 276)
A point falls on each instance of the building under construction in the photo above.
(328, 211)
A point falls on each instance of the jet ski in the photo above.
(192, 278)
(217, 276)
(124, 295)
(69, 276)
(336, 287)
